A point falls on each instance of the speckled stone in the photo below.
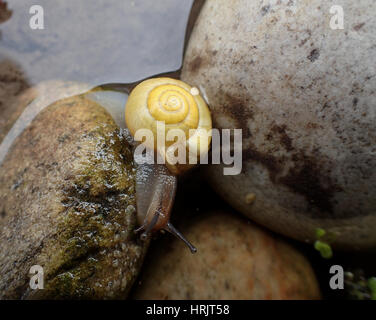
(67, 204)
(304, 96)
(235, 260)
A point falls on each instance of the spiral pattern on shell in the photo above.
(173, 104)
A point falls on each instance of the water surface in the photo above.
(96, 41)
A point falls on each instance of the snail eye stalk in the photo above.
(170, 228)
(148, 227)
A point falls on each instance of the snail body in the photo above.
(180, 111)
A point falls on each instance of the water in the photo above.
(96, 41)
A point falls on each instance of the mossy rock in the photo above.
(67, 203)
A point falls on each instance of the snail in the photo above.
(181, 110)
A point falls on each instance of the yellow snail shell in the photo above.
(179, 106)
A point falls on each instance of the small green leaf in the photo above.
(372, 286)
(320, 233)
(324, 249)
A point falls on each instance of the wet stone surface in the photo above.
(235, 260)
(304, 96)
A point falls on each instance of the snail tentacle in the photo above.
(170, 228)
(148, 227)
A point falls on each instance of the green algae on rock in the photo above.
(67, 195)
(358, 287)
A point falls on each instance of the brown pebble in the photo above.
(250, 198)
